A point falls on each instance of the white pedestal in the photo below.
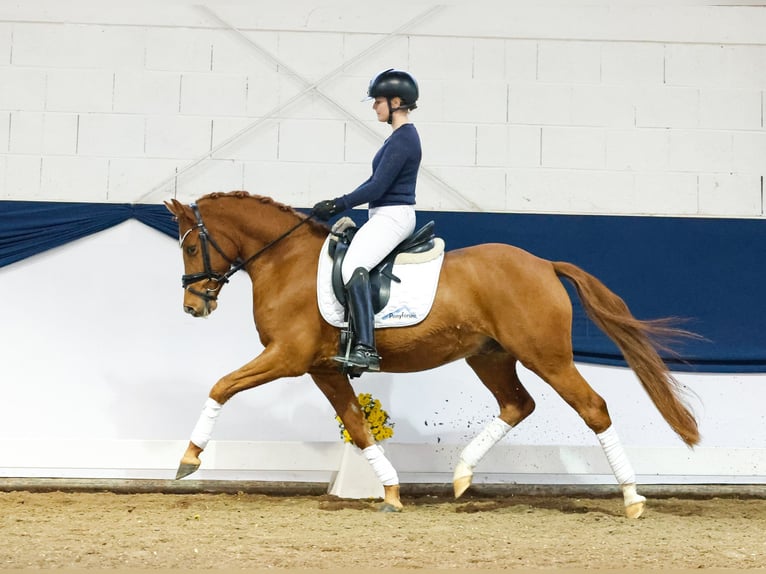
(355, 477)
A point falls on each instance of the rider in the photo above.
(390, 193)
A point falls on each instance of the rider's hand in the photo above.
(324, 210)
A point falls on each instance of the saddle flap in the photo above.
(421, 241)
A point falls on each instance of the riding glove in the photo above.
(324, 210)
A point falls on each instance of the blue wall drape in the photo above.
(709, 271)
(31, 227)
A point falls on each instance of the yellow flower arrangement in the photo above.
(377, 419)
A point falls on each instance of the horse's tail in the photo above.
(639, 341)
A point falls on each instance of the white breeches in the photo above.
(386, 228)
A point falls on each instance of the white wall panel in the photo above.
(311, 55)
(632, 63)
(700, 150)
(72, 90)
(5, 131)
(263, 93)
(569, 62)
(483, 102)
(110, 135)
(213, 94)
(288, 182)
(666, 193)
(448, 144)
(178, 136)
(311, 140)
(260, 143)
(448, 58)
(23, 89)
(521, 60)
(749, 152)
(721, 66)
(500, 70)
(488, 59)
(22, 176)
(733, 195)
(179, 49)
(213, 175)
(603, 106)
(77, 46)
(129, 178)
(547, 104)
(6, 35)
(146, 92)
(233, 54)
(507, 145)
(25, 132)
(667, 107)
(730, 109)
(572, 191)
(44, 133)
(361, 144)
(487, 186)
(66, 178)
(577, 148)
(638, 149)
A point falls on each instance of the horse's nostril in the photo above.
(190, 310)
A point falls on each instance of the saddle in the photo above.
(416, 246)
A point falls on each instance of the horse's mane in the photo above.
(240, 194)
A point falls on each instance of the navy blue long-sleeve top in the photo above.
(394, 173)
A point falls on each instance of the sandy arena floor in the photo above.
(237, 531)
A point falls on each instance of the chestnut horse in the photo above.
(495, 305)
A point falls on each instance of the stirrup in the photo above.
(361, 357)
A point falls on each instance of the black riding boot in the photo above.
(363, 357)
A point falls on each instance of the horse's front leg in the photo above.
(273, 363)
(340, 393)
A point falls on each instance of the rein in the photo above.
(220, 279)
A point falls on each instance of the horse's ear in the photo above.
(175, 207)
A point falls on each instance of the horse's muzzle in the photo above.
(200, 308)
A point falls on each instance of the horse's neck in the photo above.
(267, 231)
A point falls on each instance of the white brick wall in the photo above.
(146, 92)
(583, 109)
(74, 90)
(5, 131)
(40, 133)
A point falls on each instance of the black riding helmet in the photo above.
(393, 83)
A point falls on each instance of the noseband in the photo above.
(219, 279)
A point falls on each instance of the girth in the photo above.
(382, 274)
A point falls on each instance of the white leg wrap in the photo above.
(485, 440)
(204, 427)
(621, 467)
(383, 468)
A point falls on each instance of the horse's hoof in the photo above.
(635, 510)
(185, 469)
(461, 485)
(386, 507)
(461, 480)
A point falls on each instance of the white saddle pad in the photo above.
(410, 300)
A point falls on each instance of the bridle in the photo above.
(219, 279)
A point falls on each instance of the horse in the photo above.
(495, 306)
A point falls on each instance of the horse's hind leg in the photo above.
(576, 391)
(498, 373)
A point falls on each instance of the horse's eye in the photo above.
(191, 250)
